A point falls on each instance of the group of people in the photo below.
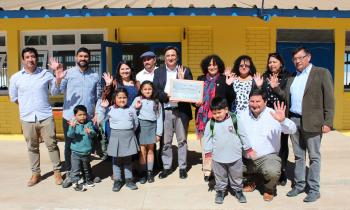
(242, 123)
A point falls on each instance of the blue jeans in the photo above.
(118, 164)
(311, 142)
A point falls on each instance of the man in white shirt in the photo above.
(149, 63)
(261, 126)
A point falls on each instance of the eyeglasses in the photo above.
(244, 65)
(299, 58)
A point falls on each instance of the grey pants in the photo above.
(80, 162)
(118, 164)
(311, 142)
(269, 166)
(228, 172)
(177, 122)
(46, 128)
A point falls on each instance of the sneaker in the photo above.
(67, 183)
(130, 184)
(219, 197)
(117, 185)
(150, 177)
(143, 179)
(89, 183)
(312, 197)
(79, 187)
(283, 179)
(206, 178)
(240, 197)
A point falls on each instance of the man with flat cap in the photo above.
(149, 63)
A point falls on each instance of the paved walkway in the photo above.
(171, 193)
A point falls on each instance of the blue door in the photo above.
(322, 54)
(116, 55)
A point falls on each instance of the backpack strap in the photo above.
(212, 123)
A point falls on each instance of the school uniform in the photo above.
(150, 117)
(226, 149)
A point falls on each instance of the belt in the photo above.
(292, 114)
(171, 108)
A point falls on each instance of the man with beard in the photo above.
(149, 63)
(80, 86)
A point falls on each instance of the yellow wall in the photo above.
(228, 37)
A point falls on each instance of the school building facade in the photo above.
(124, 30)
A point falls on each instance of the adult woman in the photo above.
(243, 78)
(275, 80)
(124, 77)
(214, 85)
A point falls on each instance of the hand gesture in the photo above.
(138, 104)
(53, 63)
(273, 81)
(181, 72)
(258, 80)
(326, 129)
(108, 78)
(230, 77)
(87, 130)
(158, 138)
(59, 72)
(72, 123)
(280, 110)
(104, 103)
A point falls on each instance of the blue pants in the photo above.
(118, 164)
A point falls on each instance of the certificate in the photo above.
(186, 90)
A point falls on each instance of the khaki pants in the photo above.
(46, 129)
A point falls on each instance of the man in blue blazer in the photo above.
(176, 114)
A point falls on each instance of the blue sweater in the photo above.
(82, 142)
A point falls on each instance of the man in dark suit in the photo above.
(312, 110)
(176, 114)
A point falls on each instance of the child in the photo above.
(122, 140)
(81, 132)
(151, 127)
(223, 144)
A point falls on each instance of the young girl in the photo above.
(122, 141)
(151, 127)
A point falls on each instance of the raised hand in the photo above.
(280, 111)
(181, 72)
(108, 78)
(104, 103)
(87, 130)
(138, 104)
(59, 72)
(258, 80)
(273, 81)
(230, 77)
(53, 63)
(71, 123)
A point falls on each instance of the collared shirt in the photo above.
(297, 90)
(263, 132)
(170, 74)
(79, 88)
(32, 93)
(144, 75)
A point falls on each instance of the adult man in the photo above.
(80, 86)
(177, 114)
(312, 108)
(149, 63)
(262, 127)
(29, 89)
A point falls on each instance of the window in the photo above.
(35, 40)
(91, 38)
(63, 39)
(347, 70)
(3, 63)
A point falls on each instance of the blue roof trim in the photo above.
(268, 13)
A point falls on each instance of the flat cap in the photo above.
(148, 54)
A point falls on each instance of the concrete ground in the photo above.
(169, 193)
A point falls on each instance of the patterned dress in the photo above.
(242, 90)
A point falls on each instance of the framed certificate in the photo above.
(186, 90)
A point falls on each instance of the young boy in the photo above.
(223, 144)
(81, 131)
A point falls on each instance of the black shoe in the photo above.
(89, 183)
(150, 177)
(183, 173)
(130, 184)
(219, 197)
(79, 187)
(117, 185)
(143, 179)
(97, 179)
(67, 183)
(312, 197)
(294, 192)
(283, 179)
(206, 178)
(164, 173)
(240, 197)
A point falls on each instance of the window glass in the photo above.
(63, 39)
(91, 38)
(35, 40)
(2, 41)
